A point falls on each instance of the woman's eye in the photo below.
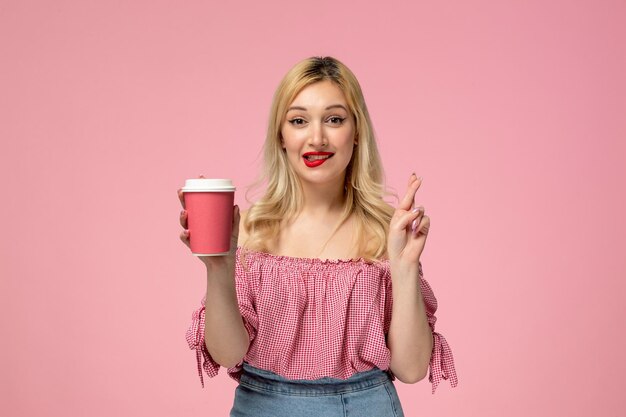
(297, 121)
(336, 120)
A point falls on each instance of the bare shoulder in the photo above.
(373, 240)
(243, 235)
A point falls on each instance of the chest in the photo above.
(317, 240)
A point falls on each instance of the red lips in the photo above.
(315, 159)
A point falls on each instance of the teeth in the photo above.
(317, 157)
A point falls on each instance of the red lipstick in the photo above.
(315, 159)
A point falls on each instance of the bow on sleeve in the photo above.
(195, 340)
(441, 360)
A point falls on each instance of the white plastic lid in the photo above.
(208, 185)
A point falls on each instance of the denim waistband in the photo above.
(261, 379)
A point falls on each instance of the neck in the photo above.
(322, 200)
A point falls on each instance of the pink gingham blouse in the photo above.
(312, 318)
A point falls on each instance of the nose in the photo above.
(317, 136)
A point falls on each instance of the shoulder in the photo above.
(243, 234)
(370, 229)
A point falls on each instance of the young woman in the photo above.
(321, 302)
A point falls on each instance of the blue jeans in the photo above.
(263, 393)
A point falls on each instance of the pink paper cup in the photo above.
(209, 205)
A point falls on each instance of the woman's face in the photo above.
(318, 134)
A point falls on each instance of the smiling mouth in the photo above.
(315, 159)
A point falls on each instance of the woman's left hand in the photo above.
(408, 228)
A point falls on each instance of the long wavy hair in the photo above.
(364, 186)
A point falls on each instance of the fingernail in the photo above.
(420, 179)
(414, 225)
(415, 210)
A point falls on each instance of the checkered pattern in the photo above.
(313, 318)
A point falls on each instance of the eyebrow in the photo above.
(341, 106)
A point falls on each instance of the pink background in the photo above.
(513, 112)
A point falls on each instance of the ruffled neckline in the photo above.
(308, 261)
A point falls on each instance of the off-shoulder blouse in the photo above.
(312, 318)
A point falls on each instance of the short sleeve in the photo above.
(195, 333)
(441, 361)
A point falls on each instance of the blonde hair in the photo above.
(364, 175)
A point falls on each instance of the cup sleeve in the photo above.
(441, 360)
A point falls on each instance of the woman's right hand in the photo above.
(212, 260)
(225, 335)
